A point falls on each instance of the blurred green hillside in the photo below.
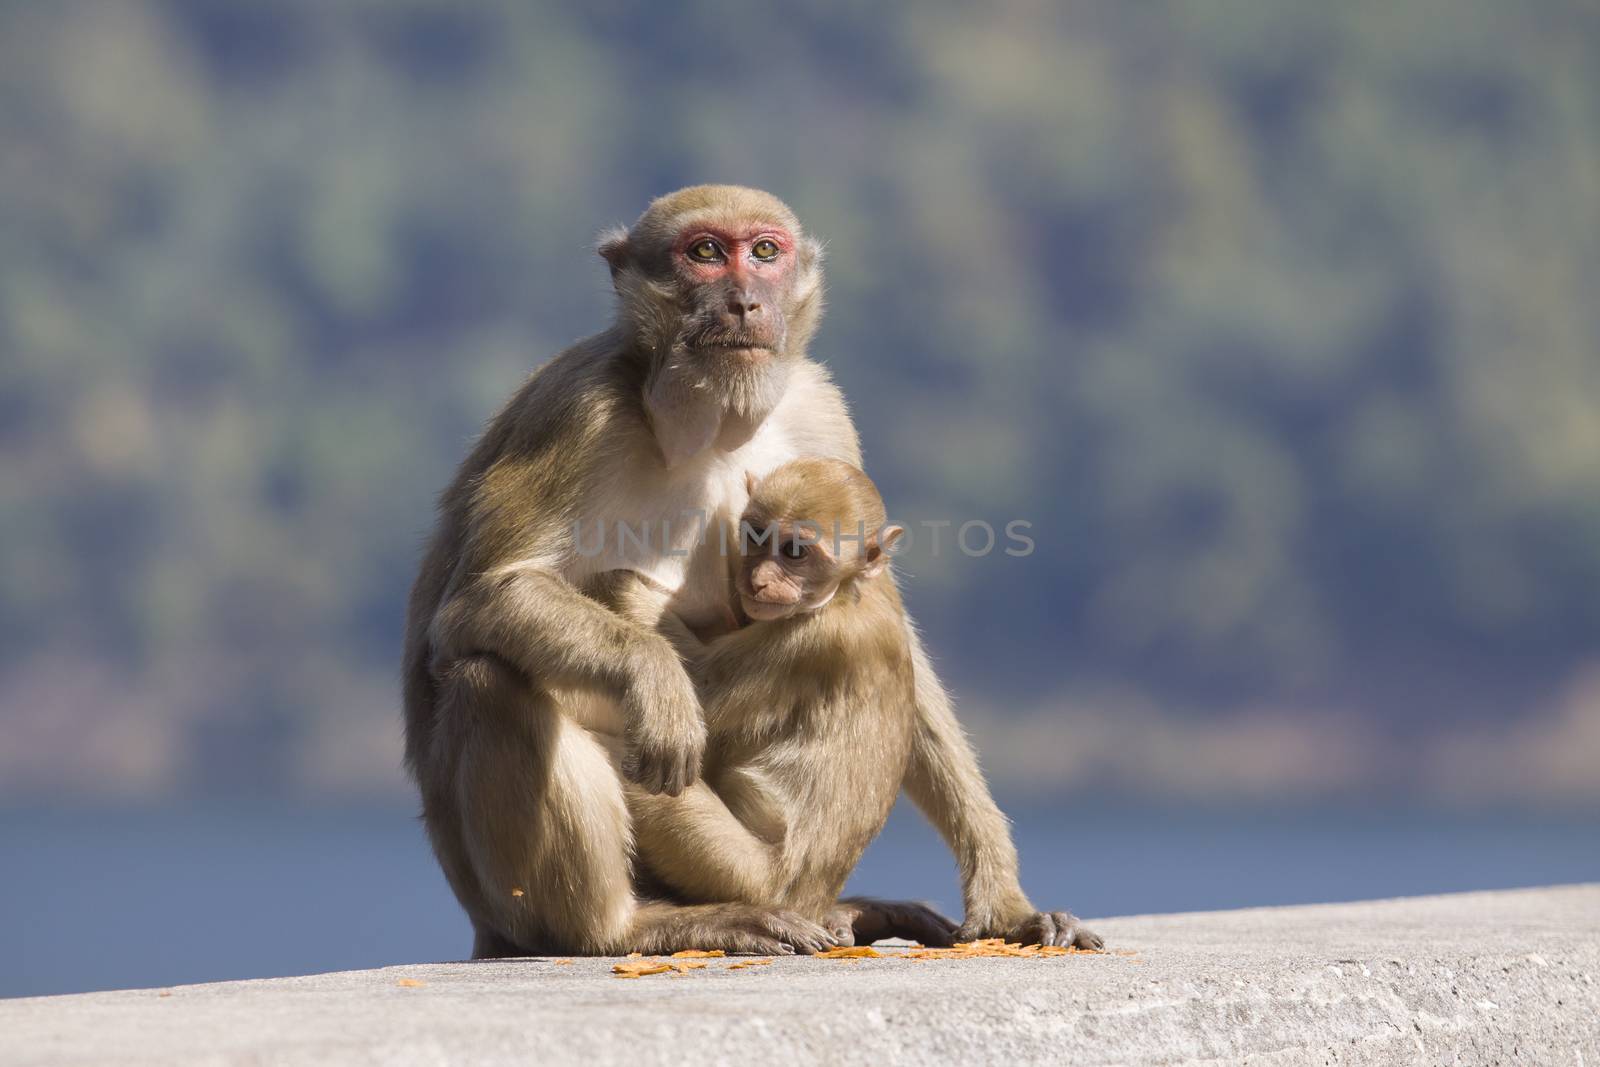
(1279, 322)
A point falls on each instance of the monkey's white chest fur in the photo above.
(678, 526)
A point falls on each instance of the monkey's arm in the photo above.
(535, 620)
(635, 597)
(943, 780)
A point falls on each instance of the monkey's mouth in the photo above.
(747, 352)
(765, 610)
(750, 353)
(739, 345)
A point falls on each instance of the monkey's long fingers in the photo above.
(655, 771)
(635, 771)
(770, 946)
(1085, 938)
(680, 774)
(1068, 931)
(801, 933)
(659, 772)
(841, 924)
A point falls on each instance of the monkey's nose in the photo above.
(742, 302)
(763, 576)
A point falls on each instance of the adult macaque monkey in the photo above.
(651, 424)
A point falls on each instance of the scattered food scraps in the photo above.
(165, 993)
(681, 963)
(850, 952)
(562, 963)
(411, 983)
(995, 946)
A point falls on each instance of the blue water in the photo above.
(109, 899)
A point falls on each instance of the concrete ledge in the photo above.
(1474, 978)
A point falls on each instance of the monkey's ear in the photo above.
(613, 248)
(880, 546)
(750, 483)
(811, 252)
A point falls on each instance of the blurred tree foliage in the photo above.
(1279, 322)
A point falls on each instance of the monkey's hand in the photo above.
(664, 734)
(1039, 928)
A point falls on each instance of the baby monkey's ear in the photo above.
(750, 480)
(880, 546)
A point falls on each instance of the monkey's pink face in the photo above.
(739, 281)
(794, 575)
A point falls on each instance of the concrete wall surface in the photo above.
(1478, 978)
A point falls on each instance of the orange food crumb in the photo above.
(654, 965)
(562, 963)
(516, 892)
(850, 952)
(698, 954)
(411, 983)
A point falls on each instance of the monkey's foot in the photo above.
(739, 928)
(1041, 928)
(872, 920)
(840, 922)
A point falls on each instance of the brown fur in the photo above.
(528, 705)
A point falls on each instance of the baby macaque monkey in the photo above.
(809, 706)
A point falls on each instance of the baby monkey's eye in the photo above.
(794, 550)
(706, 251)
(765, 249)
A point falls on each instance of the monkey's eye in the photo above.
(794, 550)
(765, 250)
(706, 251)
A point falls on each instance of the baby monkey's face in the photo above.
(792, 571)
(812, 527)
